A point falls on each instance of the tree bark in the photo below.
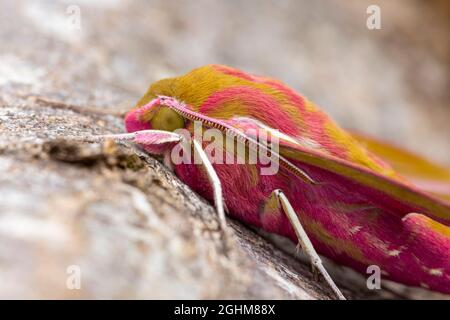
(81, 220)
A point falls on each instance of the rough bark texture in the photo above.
(133, 229)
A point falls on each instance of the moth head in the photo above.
(193, 89)
(154, 116)
(147, 115)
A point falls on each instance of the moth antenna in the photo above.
(77, 108)
(185, 112)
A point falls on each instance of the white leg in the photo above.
(101, 138)
(157, 134)
(215, 182)
(305, 243)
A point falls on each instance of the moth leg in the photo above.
(215, 182)
(153, 141)
(304, 241)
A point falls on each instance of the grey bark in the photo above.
(129, 225)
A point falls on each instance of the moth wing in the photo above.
(423, 173)
(396, 189)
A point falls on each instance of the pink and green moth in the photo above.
(358, 201)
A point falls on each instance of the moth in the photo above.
(350, 198)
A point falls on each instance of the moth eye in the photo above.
(167, 120)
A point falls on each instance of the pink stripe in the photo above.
(255, 104)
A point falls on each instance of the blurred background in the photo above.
(391, 82)
(68, 205)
